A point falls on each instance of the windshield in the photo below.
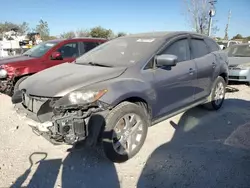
(121, 51)
(40, 49)
(239, 51)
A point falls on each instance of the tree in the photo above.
(120, 34)
(24, 28)
(67, 35)
(238, 36)
(7, 26)
(197, 12)
(100, 32)
(43, 29)
(52, 38)
(82, 33)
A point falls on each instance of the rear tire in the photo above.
(124, 125)
(217, 95)
(16, 86)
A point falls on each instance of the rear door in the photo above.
(205, 63)
(87, 46)
(175, 85)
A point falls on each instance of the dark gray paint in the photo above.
(164, 89)
(62, 79)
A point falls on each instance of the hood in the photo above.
(62, 79)
(14, 59)
(235, 61)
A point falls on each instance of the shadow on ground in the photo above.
(208, 149)
(83, 167)
(79, 169)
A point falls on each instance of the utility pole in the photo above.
(211, 14)
(228, 21)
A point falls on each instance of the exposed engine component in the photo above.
(72, 127)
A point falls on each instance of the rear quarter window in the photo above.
(213, 46)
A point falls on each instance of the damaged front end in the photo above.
(6, 80)
(60, 121)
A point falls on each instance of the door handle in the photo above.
(214, 65)
(191, 71)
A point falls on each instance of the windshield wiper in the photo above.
(98, 64)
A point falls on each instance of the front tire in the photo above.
(217, 95)
(125, 132)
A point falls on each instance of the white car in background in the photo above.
(225, 44)
(239, 62)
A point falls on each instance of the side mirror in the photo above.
(166, 60)
(56, 56)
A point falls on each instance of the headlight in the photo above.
(3, 73)
(78, 97)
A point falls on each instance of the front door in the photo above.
(69, 51)
(175, 85)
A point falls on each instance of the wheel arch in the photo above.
(141, 102)
(21, 76)
(224, 75)
(95, 136)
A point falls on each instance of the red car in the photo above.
(15, 69)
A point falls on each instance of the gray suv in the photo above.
(112, 94)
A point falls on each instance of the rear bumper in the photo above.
(239, 75)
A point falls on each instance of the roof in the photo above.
(94, 38)
(87, 38)
(162, 34)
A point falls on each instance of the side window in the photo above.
(86, 46)
(212, 45)
(199, 48)
(150, 64)
(69, 50)
(179, 48)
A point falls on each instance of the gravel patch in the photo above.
(198, 148)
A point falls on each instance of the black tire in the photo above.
(115, 115)
(211, 104)
(18, 82)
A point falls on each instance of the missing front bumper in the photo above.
(68, 128)
(61, 125)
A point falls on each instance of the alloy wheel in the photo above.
(219, 93)
(127, 133)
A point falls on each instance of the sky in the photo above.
(130, 16)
